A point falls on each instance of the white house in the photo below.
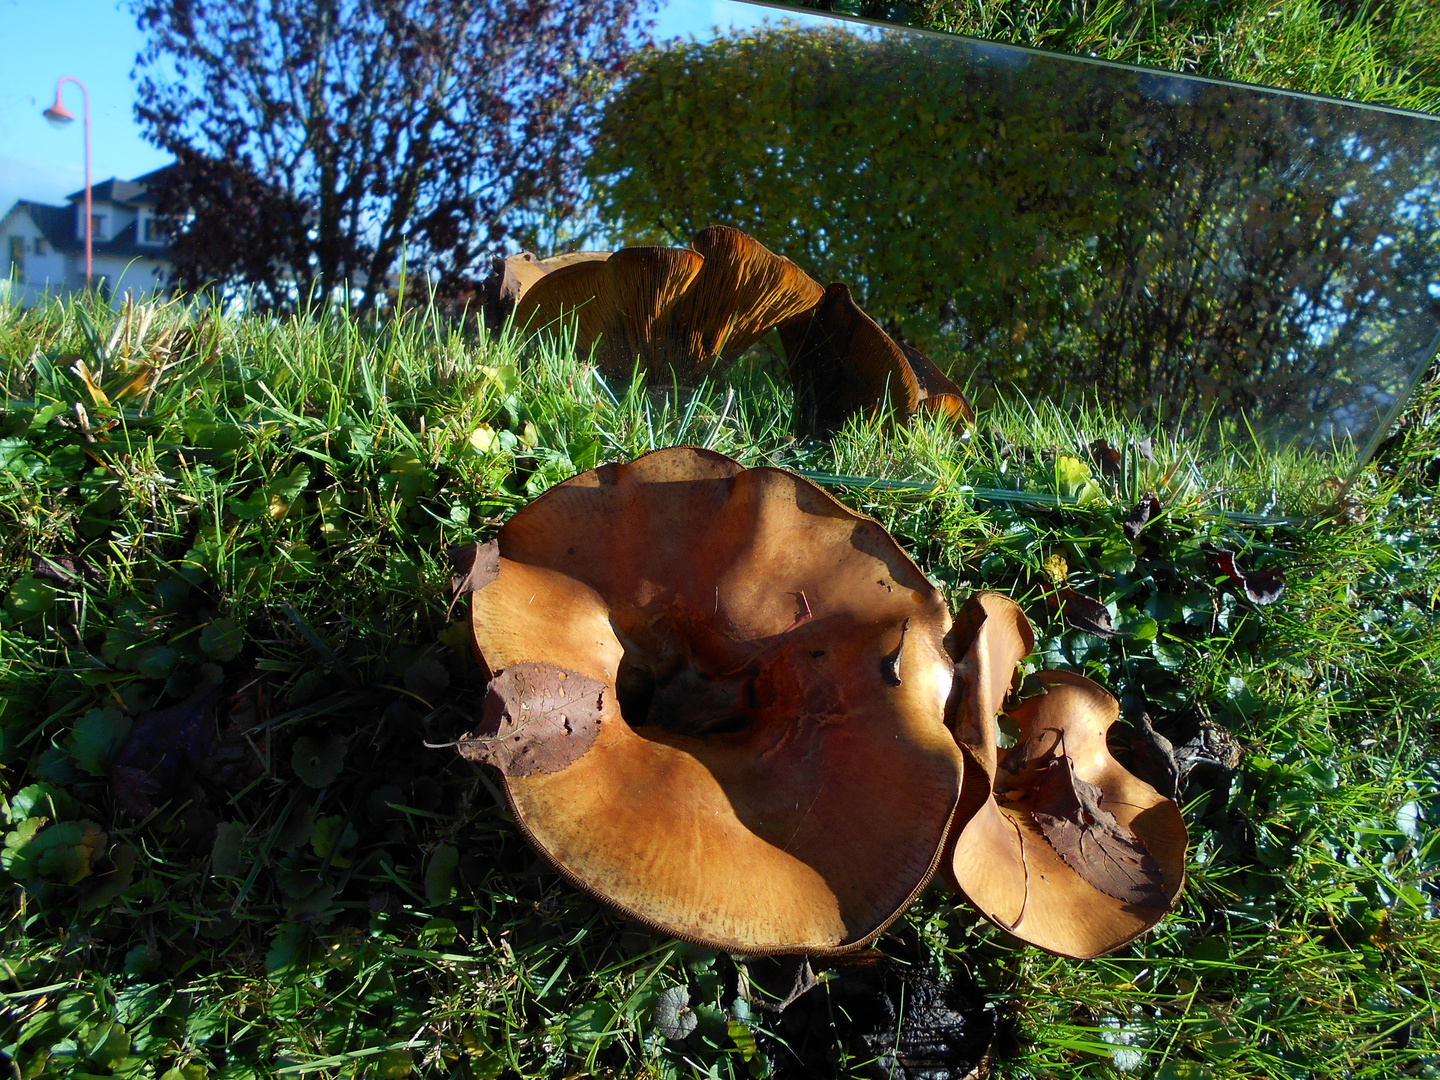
(45, 245)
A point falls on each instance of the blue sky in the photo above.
(96, 41)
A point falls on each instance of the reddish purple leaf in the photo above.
(1259, 586)
(1135, 522)
(1106, 458)
(1083, 613)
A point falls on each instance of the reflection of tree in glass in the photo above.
(1063, 226)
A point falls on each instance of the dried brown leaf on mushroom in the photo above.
(1089, 838)
(538, 718)
(476, 565)
(771, 772)
(1064, 849)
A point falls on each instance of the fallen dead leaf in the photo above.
(1154, 757)
(1135, 522)
(1107, 459)
(538, 718)
(476, 565)
(164, 747)
(1082, 613)
(1090, 840)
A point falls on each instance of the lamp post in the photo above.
(58, 115)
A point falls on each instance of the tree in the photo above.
(227, 224)
(317, 138)
(1061, 226)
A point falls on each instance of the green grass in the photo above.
(329, 897)
(1385, 52)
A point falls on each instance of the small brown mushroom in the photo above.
(938, 392)
(764, 767)
(842, 363)
(1066, 849)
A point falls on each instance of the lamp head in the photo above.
(57, 114)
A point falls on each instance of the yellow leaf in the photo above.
(137, 384)
(1056, 568)
(484, 440)
(96, 394)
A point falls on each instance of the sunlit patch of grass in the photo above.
(272, 499)
(1385, 52)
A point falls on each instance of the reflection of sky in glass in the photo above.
(701, 19)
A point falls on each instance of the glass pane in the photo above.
(1247, 265)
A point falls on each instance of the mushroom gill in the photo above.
(681, 312)
(719, 702)
(1060, 845)
(511, 278)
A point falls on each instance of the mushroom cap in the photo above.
(1003, 861)
(995, 636)
(569, 258)
(762, 781)
(743, 291)
(678, 310)
(938, 392)
(616, 304)
(841, 362)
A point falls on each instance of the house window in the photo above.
(39, 245)
(97, 227)
(154, 234)
(17, 257)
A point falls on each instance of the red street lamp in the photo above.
(58, 115)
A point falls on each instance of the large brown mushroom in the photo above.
(511, 278)
(938, 392)
(1056, 842)
(683, 313)
(680, 312)
(719, 702)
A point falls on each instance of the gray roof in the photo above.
(135, 192)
